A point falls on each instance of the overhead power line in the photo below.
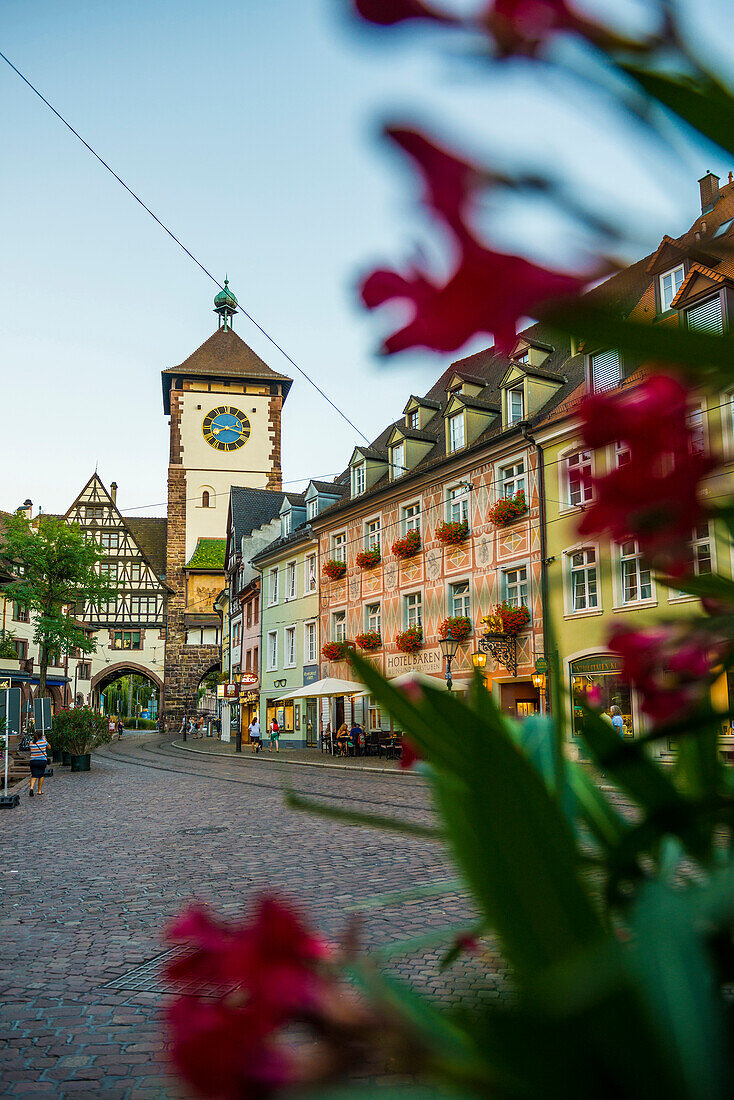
(181, 245)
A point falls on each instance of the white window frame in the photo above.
(374, 538)
(667, 296)
(359, 479)
(273, 586)
(291, 583)
(372, 618)
(584, 570)
(457, 432)
(290, 660)
(310, 642)
(412, 609)
(512, 413)
(338, 626)
(339, 546)
(312, 508)
(697, 422)
(697, 543)
(511, 478)
(619, 578)
(587, 492)
(463, 609)
(272, 651)
(605, 370)
(523, 357)
(508, 586)
(410, 517)
(457, 505)
(397, 461)
(310, 578)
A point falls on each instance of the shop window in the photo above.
(272, 650)
(512, 478)
(373, 618)
(584, 586)
(459, 600)
(309, 642)
(515, 586)
(413, 609)
(339, 626)
(458, 505)
(289, 645)
(290, 581)
(578, 478)
(636, 576)
(602, 676)
(372, 534)
(411, 516)
(670, 283)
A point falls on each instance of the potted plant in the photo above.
(408, 546)
(410, 640)
(452, 534)
(80, 731)
(459, 626)
(368, 559)
(511, 619)
(334, 569)
(508, 509)
(369, 641)
(334, 651)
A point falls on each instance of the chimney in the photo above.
(708, 185)
(113, 492)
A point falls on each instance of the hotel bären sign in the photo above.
(425, 660)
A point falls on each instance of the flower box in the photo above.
(408, 546)
(410, 640)
(512, 619)
(369, 640)
(368, 559)
(333, 569)
(452, 534)
(508, 508)
(459, 625)
(334, 651)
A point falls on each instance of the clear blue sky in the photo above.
(250, 129)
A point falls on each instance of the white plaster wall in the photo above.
(149, 657)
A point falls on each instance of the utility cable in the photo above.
(181, 245)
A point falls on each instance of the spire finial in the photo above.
(225, 305)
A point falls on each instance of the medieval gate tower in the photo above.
(225, 407)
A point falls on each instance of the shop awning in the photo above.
(320, 689)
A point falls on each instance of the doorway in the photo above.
(311, 720)
(338, 712)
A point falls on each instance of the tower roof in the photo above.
(223, 355)
(225, 298)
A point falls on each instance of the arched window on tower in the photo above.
(205, 499)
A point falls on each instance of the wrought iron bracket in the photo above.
(503, 647)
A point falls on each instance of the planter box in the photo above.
(80, 763)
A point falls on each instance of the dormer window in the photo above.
(706, 317)
(358, 480)
(286, 521)
(312, 508)
(456, 432)
(397, 461)
(606, 371)
(523, 357)
(414, 419)
(515, 406)
(670, 283)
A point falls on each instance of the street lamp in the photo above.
(479, 660)
(539, 681)
(449, 646)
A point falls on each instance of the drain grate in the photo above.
(148, 978)
(202, 830)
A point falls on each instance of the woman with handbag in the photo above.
(39, 760)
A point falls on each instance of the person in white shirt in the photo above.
(255, 739)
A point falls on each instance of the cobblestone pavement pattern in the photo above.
(91, 872)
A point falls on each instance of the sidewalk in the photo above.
(210, 746)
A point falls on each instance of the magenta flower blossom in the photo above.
(388, 12)
(409, 755)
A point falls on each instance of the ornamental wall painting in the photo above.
(411, 571)
(434, 563)
(483, 546)
(354, 588)
(390, 573)
(513, 543)
(458, 558)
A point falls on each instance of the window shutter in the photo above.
(605, 370)
(707, 317)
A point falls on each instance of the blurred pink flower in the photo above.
(450, 181)
(409, 754)
(654, 496)
(387, 12)
(524, 26)
(671, 667)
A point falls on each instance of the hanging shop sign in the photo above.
(249, 679)
(227, 691)
(591, 665)
(310, 674)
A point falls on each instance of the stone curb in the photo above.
(301, 763)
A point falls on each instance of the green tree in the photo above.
(57, 565)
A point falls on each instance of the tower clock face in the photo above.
(226, 428)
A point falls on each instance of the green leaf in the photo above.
(413, 944)
(706, 585)
(701, 101)
(350, 817)
(397, 897)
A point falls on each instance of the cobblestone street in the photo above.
(92, 871)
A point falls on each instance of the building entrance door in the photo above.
(311, 719)
(338, 712)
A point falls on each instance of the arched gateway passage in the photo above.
(128, 690)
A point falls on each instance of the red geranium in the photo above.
(410, 640)
(452, 534)
(334, 569)
(654, 496)
(334, 651)
(508, 508)
(459, 626)
(513, 619)
(368, 559)
(368, 641)
(408, 546)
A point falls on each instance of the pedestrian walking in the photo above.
(617, 720)
(120, 728)
(274, 735)
(255, 738)
(112, 725)
(39, 759)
